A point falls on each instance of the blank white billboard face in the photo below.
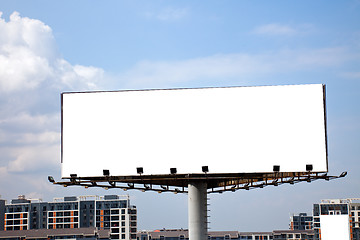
(230, 130)
(335, 227)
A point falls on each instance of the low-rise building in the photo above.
(301, 221)
(111, 212)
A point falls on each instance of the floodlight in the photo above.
(51, 179)
(146, 186)
(276, 168)
(73, 175)
(205, 169)
(292, 181)
(343, 174)
(275, 182)
(163, 187)
(106, 172)
(131, 185)
(173, 170)
(140, 170)
(309, 167)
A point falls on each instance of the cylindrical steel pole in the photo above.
(197, 207)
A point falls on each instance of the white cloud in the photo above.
(351, 75)
(32, 75)
(29, 57)
(169, 14)
(172, 14)
(274, 29)
(240, 66)
(24, 121)
(34, 158)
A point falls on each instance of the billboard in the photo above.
(335, 227)
(230, 130)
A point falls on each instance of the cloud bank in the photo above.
(32, 75)
(29, 58)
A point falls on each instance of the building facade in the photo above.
(301, 222)
(111, 212)
(337, 216)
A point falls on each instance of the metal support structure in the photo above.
(198, 186)
(178, 183)
(197, 210)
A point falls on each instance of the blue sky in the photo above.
(47, 47)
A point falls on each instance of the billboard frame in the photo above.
(175, 89)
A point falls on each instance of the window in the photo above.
(115, 211)
(114, 224)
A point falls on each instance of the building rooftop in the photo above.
(45, 233)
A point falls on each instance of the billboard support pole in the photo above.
(197, 210)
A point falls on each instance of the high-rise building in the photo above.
(111, 212)
(337, 219)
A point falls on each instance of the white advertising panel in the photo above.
(230, 130)
(335, 227)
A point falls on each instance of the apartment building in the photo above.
(110, 212)
(301, 221)
(337, 219)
